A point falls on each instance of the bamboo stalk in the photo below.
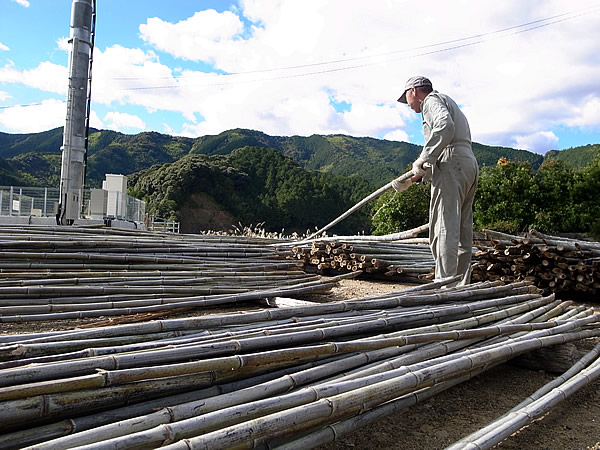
(471, 439)
(354, 345)
(364, 201)
(345, 404)
(515, 420)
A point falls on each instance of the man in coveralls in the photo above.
(447, 157)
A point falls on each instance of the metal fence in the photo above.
(163, 225)
(28, 201)
(42, 202)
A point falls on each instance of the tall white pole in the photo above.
(75, 132)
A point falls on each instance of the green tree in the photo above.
(555, 199)
(585, 194)
(554, 207)
(395, 212)
(287, 196)
(505, 197)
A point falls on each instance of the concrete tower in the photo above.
(74, 146)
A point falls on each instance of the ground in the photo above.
(202, 213)
(438, 422)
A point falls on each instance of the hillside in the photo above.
(36, 157)
(45, 142)
(577, 157)
(250, 185)
(10, 176)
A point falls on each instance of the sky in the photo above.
(525, 72)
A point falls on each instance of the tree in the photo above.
(585, 193)
(554, 206)
(556, 199)
(505, 197)
(395, 212)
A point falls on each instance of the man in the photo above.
(448, 158)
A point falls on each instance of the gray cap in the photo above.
(413, 82)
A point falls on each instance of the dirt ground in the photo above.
(442, 420)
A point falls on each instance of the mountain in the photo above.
(489, 156)
(36, 156)
(10, 176)
(112, 152)
(251, 185)
(577, 157)
(375, 160)
(16, 144)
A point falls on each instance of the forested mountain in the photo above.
(252, 184)
(577, 157)
(288, 182)
(9, 176)
(17, 144)
(375, 160)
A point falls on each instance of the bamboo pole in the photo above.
(364, 201)
(343, 405)
(358, 343)
(362, 344)
(77, 425)
(515, 420)
(205, 423)
(471, 439)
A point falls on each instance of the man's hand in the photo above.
(401, 186)
(418, 168)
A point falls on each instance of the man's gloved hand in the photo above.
(401, 186)
(418, 167)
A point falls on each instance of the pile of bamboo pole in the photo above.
(51, 273)
(395, 260)
(294, 377)
(399, 256)
(555, 264)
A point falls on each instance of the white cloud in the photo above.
(46, 77)
(587, 114)
(196, 38)
(126, 75)
(367, 120)
(123, 122)
(397, 135)
(95, 121)
(291, 59)
(3, 47)
(498, 82)
(24, 3)
(539, 142)
(31, 119)
(168, 129)
(63, 44)
(4, 96)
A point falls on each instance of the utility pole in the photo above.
(74, 148)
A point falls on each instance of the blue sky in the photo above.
(526, 74)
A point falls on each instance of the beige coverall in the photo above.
(454, 174)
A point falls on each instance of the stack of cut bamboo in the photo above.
(554, 264)
(406, 260)
(287, 378)
(49, 273)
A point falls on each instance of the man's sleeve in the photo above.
(437, 117)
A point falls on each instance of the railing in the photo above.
(28, 201)
(42, 202)
(163, 225)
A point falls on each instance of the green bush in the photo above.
(556, 198)
(505, 197)
(511, 197)
(395, 212)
